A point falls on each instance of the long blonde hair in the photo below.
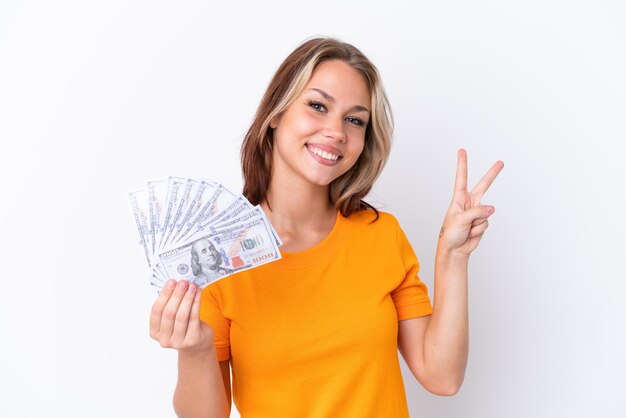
(347, 191)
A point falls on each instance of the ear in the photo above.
(274, 122)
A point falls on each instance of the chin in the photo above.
(322, 180)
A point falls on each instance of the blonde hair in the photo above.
(347, 191)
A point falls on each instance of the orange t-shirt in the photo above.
(315, 333)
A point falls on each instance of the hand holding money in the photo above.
(199, 231)
(175, 318)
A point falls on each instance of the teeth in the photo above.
(325, 155)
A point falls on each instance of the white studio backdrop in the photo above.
(96, 98)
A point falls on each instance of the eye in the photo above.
(204, 251)
(317, 106)
(355, 121)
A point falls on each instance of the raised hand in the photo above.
(466, 219)
(175, 318)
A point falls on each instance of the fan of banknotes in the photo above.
(199, 231)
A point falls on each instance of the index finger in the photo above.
(159, 305)
(460, 182)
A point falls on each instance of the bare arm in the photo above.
(203, 388)
(436, 347)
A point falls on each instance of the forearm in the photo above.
(200, 390)
(446, 341)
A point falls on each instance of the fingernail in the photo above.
(191, 288)
(490, 209)
(170, 284)
(182, 284)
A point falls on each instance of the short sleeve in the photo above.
(211, 313)
(411, 296)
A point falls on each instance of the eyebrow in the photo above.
(331, 99)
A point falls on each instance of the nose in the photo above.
(334, 128)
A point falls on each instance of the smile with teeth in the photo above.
(321, 153)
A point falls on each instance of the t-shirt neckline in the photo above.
(320, 252)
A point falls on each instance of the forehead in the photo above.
(202, 244)
(341, 81)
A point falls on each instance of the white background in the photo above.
(98, 97)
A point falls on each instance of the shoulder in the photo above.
(380, 240)
(364, 222)
(368, 218)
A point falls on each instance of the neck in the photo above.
(301, 212)
(297, 202)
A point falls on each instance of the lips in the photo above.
(325, 152)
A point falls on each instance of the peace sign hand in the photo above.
(466, 219)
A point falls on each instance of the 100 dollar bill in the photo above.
(220, 253)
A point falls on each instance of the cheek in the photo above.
(307, 125)
(357, 145)
(302, 124)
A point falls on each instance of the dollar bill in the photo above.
(200, 191)
(157, 193)
(239, 205)
(238, 208)
(140, 208)
(245, 216)
(187, 219)
(181, 203)
(137, 199)
(173, 187)
(220, 200)
(221, 253)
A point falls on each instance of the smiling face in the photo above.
(321, 135)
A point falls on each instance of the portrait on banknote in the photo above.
(206, 262)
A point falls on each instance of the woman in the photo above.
(316, 333)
